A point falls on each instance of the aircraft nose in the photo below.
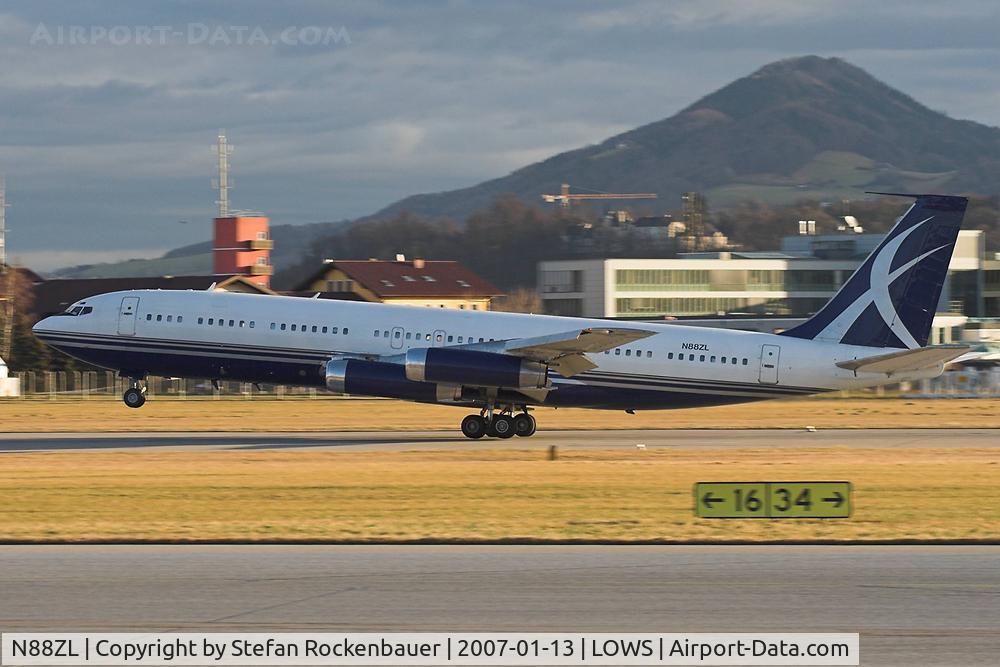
(40, 325)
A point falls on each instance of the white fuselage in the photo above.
(274, 339)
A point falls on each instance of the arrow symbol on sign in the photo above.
(708, 499)
(837, 499)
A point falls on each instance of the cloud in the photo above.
(106, 146)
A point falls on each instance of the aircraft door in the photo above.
(769, 355)
(127, 315)
(397, 338)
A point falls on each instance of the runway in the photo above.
(413, 440)
(912, 605)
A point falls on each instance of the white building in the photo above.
(794, 282)
(8, 386)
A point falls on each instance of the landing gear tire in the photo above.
(474, 427)
(134, 398)
(524, 425)
(503, 426)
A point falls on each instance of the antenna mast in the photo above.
(3, 223)
(223, 150)
(7, 297)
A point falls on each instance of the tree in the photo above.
(27, 352)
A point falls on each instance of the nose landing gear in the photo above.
(135, 396)
(501, 425)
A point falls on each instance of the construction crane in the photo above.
(564, 197)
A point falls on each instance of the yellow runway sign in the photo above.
(772, 500)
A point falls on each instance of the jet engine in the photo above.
(375, 378)
(474, 368)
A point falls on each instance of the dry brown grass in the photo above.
(370, 415)
(480, 495)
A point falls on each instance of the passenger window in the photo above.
(302, 328)
(628, 353)
(409, 335)
(323, 330)
(377, 332)
(460, 339)
(451, 338)
(702, 358)
(159, 318)
(283, 326)
(480, 340)
(222, 323)
(345, 331)
(618, 351)
(607, 351)
(314, 328)
(232, 323)
(649, 354)
(670, 355)
(293, 327)
(439, 338)
(427, 336)
(334, 330)
(398, 334)
(385, 333)
(745, 361)
(201, 320)
(723, 360)
(734, 361)
(149, 316)
(170, 318)
(274, 325)
(712, 359)
(243, 323)
(211, 320)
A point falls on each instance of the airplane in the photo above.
(873, 331)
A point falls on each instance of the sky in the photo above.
(109, 110)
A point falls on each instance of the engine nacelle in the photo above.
(374, 378)
(473, 368)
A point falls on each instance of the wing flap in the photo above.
(580, 341)
(906, 361)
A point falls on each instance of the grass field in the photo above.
(468, 495)
(369, 415)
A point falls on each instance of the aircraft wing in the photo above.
(564, 351)
(906, 361)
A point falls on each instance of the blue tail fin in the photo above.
(890, 300)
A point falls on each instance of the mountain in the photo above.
(802, 128)
(806, 127)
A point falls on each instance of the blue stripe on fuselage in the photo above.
(306, 367)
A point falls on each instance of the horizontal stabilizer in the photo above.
(906, 361)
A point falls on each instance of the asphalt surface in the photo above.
(912, 605)
(411, 440)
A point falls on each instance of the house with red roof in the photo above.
(418, 282)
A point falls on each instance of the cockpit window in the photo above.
(77, 310)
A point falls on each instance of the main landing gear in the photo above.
(135, 395)
(504, 424)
